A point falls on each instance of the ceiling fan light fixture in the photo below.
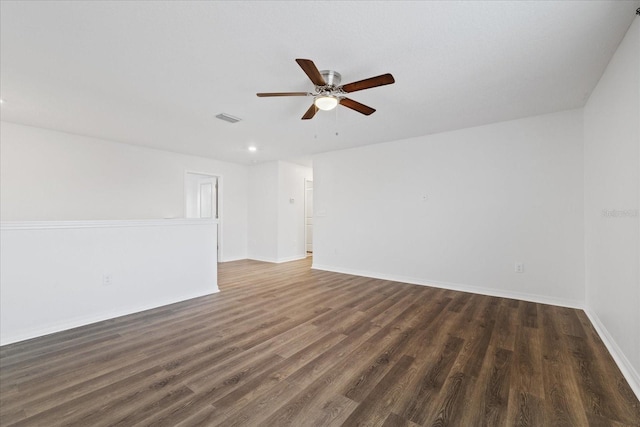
(326, 103)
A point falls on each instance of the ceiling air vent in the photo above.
(228, 118)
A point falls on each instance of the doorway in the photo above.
(202, 200)
(308, 216)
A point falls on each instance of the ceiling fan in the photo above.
(328, 91)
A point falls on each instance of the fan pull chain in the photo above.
(315, 131)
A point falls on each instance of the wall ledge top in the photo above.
(40, 225)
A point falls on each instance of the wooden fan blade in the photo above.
(311, 70)
(310, 112)
(384, 79)
(262, 95)
(354, 105)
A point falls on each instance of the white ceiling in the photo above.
(155, 73)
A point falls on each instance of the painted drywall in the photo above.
(291, 228)
(51, 176)
(263, 212)
(276, 223)
(459, 209)
(612, 187)
(52, 275)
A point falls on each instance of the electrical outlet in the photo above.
(519, 267)
(107, 279)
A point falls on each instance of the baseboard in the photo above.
(78, 322)
(291, 258)
(231, 259)
(627, 369)
(278, 260)
(541, 299)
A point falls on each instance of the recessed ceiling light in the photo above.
(1, 101)
(253, 149)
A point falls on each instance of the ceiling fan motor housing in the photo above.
(332, 78)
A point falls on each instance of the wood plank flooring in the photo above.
(283, 345)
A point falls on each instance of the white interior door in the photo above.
(202, 199)
(205, 200)
(308, 214)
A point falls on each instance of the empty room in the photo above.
(319, 213)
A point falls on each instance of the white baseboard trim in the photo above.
(291, 258)
(231, 259)
(278, 260)
(541, 299)
(77, 322)
(627, 369)
(262, 259)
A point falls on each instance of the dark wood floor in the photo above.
(284, 345)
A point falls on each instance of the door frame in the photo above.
(305, 215)
(219, 207)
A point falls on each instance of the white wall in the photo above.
(612, 183)
(49, 175)
(52, 272)
(496, 195)
(276, 226)
(263, 212)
